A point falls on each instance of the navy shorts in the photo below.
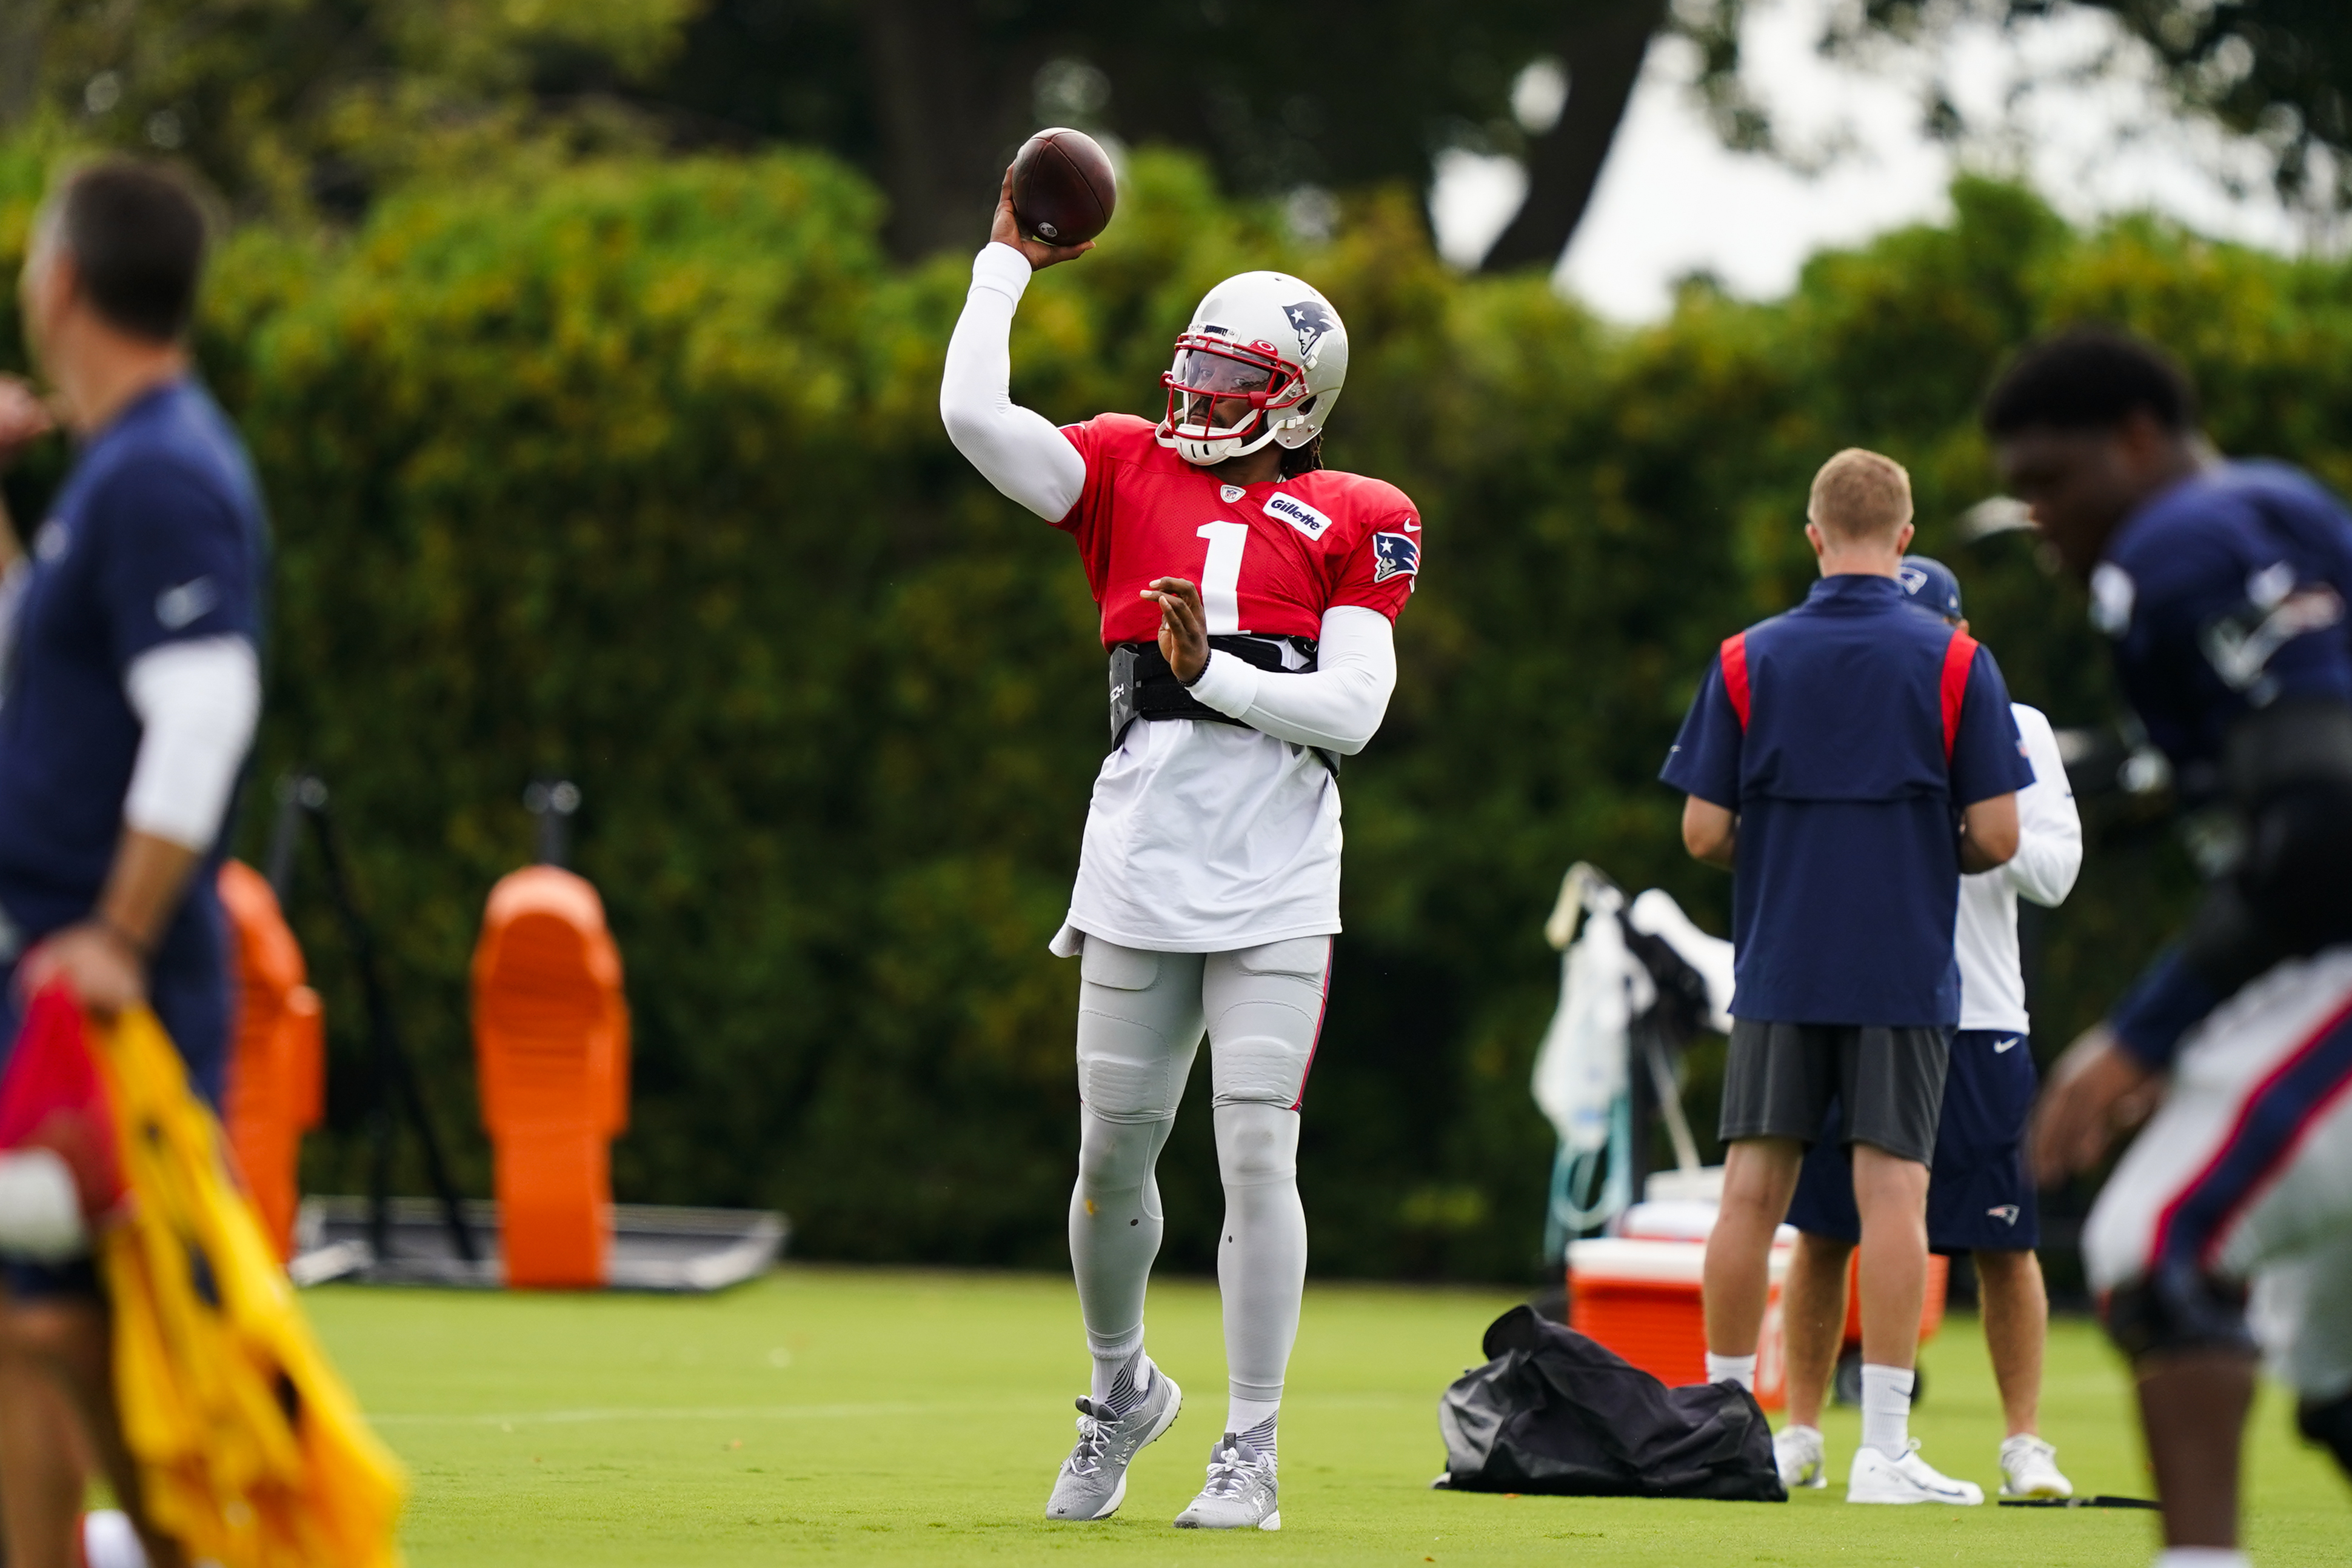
(193, 1004)
(1979, 1196)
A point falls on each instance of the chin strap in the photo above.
(1203, 453)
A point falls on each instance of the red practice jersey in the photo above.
(1270, 558)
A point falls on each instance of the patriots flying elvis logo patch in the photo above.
(1394, 555)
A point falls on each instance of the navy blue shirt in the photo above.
(2222, 595)
(155, 537)
(1847, 879)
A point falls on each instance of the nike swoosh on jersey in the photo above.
(175, 607)
(2001, 1045)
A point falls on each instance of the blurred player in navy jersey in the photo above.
(128, 698)
(1979, 1197)
(2221, 586)
(1247, 596)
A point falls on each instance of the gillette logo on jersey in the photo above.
(1290, 509)
(1270, 563)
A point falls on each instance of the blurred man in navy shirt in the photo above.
(1847, 761)
(128, 698)
(2223, 588)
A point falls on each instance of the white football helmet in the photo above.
(1266, 351)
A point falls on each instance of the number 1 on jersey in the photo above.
(1220, 575)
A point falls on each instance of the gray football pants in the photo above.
(1140, 1018)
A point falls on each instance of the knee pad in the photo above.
(1257, 1146)
(2329, 1424)
(2178, 1308)
(1115, 1155)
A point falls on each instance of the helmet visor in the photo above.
(1217, 391)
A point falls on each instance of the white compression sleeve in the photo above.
(197, 703)
(2049, 831)
(1018, 451)
(1339, 706)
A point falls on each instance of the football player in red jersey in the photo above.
(1248, 595)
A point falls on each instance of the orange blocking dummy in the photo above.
(275, 1068)
(551, 1043)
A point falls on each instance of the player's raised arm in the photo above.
(1018, 451)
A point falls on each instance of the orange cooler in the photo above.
(1641, 1298)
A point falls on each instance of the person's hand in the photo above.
(2097, 1092)
(24, 418)
(96, 964)
(1006, 230)
(1183, 626)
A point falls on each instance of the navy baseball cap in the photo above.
(1929, 584)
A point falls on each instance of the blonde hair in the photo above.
(1860, 496)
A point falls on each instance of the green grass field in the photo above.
(873, 1416)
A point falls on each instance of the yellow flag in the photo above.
(250, 1450)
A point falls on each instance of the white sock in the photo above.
(2201, 1557)
(1119, 1383)
(1739, 1369)
(1886, 1409)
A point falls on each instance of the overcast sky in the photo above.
(2095, 140)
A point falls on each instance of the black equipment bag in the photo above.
(1553, 1411)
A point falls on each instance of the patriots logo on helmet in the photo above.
(1310, 321)
(1394, 555)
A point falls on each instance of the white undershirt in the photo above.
(1201, 837)
(2048, 854)
(197, 703)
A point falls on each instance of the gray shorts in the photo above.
(1780, 1078)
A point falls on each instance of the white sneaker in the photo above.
(109, 1541)
(2029, 1468)
(1877, 1479)
(1242, 1493)
(1797, 1450)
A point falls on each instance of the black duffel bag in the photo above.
(1553, 1411)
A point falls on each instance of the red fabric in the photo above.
(1735, 680)
(51, 1097)
(1311, 542)
(1960, 656)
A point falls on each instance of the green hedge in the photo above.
(634, 476)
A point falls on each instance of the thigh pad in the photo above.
(1264, 1010)
(1138, 1025)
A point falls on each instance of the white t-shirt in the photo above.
(1204, 838)
(2048, 854)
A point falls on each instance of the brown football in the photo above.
(1062, 189)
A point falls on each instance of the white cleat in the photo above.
(2029, 1468)
(1797, 1450)
(1910, 1479)
(1240, 1494)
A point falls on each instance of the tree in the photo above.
(320, 101)
(932, 96)
(2277, 71)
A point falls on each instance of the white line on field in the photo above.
(707, 1413)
